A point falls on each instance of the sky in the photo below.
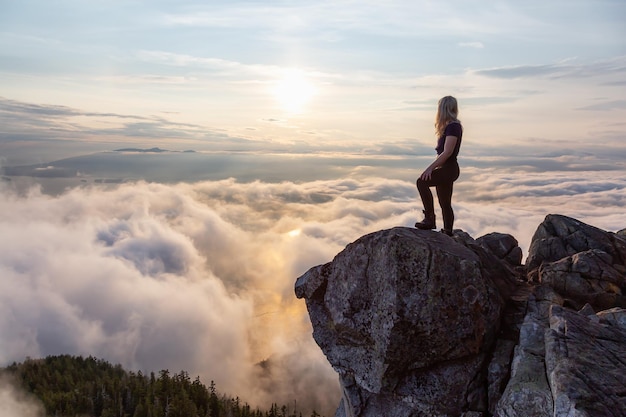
(312, 120)
(316, 76)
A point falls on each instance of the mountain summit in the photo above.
(417, 323)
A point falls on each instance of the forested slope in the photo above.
(76, 386)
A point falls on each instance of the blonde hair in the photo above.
(447, 111)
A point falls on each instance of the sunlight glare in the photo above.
(294, 91)
(294, 233)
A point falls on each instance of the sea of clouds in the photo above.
(199, 276)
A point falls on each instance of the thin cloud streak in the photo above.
(606, 105)
(569, 69)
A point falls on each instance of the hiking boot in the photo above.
(428, 223)
(446, 232)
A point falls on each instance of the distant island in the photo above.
(150, 150)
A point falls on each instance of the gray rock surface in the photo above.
(582, 263)
(528, 391)
(586, 277)
(582, 355)
(407, 318)
(558, 237)
(417, 323)
(586, 364)
(504, 246)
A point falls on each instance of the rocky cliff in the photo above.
(417, 323)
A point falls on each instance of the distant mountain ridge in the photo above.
(150, 150)
(153, 150)
(150, 164)
(167, 166)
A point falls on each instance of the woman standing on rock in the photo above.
(444, 170)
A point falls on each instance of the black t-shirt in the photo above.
(452, 129)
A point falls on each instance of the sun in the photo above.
(294, 91)
(294, 233)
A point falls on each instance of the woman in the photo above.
(444, 170)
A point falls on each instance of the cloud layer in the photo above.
(199, 276)
(16, 403)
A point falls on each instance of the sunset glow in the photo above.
(294, 91)
(168, 169)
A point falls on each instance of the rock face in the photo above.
(407, 318)
(417, 323)
(560, 237)
(568, 360)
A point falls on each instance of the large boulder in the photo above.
(586, 361)
(568, 362)
(504, 246)
(408, 319)
(581, 262)
(527, 392)
(559, 236)
(417, 323)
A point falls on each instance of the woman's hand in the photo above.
(441, 158)
(426, 174)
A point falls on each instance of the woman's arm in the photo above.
(448, 150)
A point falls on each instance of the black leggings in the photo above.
(442, 179)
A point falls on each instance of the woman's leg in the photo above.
(444, 195)
(443, 179)
(429, 208)
(426, 195)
